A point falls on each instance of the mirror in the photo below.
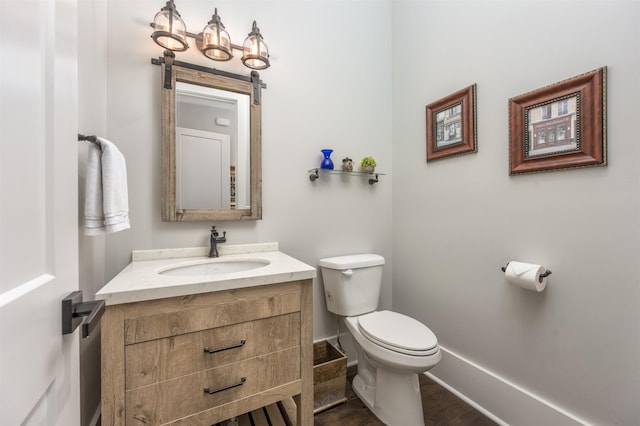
(211, 147)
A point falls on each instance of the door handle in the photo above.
(73, 309)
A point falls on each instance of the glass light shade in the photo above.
(170, 30)
(216, 43)
(256, 52)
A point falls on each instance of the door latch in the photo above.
(73, 311)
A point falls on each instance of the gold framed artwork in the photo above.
(560, 126)
(451, 125)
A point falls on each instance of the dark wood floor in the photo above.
(440, 407)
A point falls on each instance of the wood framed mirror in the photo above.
(211, 147)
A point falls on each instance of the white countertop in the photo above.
(141, 281)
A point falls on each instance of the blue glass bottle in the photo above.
(327, 163)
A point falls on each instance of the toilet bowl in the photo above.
(387, 380)
(392, 348)
(395, 340)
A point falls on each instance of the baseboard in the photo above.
(497, 398)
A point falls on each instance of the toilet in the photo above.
(392, 348)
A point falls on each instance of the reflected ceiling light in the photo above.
(170, 32)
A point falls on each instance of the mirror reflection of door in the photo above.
(212, 174)
(203, 180)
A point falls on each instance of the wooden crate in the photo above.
(329, 376)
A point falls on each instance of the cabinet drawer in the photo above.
(173, 399)
(202, 318)
(163, 359)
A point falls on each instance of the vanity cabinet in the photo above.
(203, 358)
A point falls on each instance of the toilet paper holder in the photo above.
(545, 274)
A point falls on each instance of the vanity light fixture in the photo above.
(170, 32)
(256, 52)
(216, 43)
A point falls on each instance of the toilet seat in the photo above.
(398, 333)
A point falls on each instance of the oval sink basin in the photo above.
(214, 267)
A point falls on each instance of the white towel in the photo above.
(106, 204)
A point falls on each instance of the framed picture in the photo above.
(560, 126)
(451, 125)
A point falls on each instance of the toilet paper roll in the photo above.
(526, 275)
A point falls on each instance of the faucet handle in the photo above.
(214, 232)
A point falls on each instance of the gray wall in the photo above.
(575, 346)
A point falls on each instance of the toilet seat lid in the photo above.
(398, 332)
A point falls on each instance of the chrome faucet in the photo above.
(215, 240)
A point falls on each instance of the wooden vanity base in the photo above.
(201, 359)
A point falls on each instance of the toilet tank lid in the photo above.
(352, 261)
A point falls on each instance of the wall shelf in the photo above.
(317, 172)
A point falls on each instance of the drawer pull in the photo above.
(213, 351)
(224, 388)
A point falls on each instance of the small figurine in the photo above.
(347, 164)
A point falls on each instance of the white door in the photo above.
(206, 182)
(39, 367)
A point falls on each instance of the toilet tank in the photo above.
(352, 283)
